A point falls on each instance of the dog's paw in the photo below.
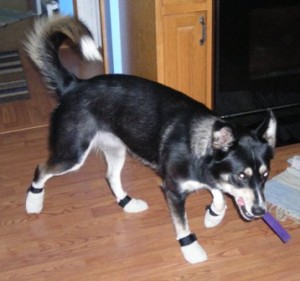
(194, 253)
(34, 202)
(212, 217)
(135, 206)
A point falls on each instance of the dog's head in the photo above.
(241, 164)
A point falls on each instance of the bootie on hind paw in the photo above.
(132, 205)
(34, 202)
(213, 217)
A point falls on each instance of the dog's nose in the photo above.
(258, 211)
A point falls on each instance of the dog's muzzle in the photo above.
(256, 211)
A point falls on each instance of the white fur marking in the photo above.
(270, 134)
(218, 200)
(89, 49)
(262, 169)
(248, 171)
(246, 193)
(41, 183)
(191, 186)
(106, 140)
(115, 152)
(115, 163)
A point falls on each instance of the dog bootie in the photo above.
(213, 217)
(132, 205)
(191, 249)
(35, 201)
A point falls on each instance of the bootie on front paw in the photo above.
(213, 217)
(192, 250)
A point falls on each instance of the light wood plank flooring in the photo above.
(83, 235)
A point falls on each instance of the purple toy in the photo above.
(276, 227)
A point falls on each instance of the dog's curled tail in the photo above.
(43, 44)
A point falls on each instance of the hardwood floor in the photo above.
(82, 235)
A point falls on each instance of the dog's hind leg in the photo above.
(115, 158)
(190, 248)
(216, 211)
(36, 192)
(43, 172)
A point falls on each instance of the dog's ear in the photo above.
(266, 131)
(222, 136)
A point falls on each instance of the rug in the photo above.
(283, 192)
(8, 16)
(13, 84)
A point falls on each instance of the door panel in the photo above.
(185, 59)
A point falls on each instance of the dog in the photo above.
(187, 144)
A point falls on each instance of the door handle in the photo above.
(203, 25)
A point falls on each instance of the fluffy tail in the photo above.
(43, 44)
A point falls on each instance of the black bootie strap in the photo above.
(122, 203)
(211, 212)
(185, 241)
(35, 190)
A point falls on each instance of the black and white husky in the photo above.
(188, 145)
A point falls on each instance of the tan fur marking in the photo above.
(262, 169)
(248, 171)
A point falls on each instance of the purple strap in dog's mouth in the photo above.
(276, 227)
(268, 219)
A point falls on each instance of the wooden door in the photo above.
(185, 58)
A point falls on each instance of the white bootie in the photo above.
(213, 217)
(136, 206)
(132, 205)
(35, 202)
(191, 249)
(194, 253)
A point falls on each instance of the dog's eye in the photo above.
(241, 176)
(265, 174)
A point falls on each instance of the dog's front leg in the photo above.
(216, 211)
(190, 248)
